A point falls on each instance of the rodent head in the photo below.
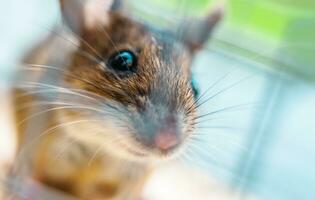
(139, 76)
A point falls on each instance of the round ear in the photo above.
(86, 14)
(197, 31)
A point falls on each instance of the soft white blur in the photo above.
(7, 140)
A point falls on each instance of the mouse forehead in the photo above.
(124, 33)
(170, 50)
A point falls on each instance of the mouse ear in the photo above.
(86, 14)
(197, 31)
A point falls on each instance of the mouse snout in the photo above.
(165, 141)
(159, 134)
(166, 137)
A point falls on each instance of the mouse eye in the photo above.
(123, 61)
(194, 88)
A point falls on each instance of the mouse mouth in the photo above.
(146, 151)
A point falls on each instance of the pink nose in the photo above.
(165, 140)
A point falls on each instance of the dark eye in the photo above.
(194, 88)
(123, 62)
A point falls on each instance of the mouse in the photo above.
(104, 101)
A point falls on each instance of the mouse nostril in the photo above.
(165, 140)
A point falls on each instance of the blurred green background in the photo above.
(278, 32)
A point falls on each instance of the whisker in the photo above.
(206, 152)
(225, 89)
(54, 109)
(222, 127)
(197, 152)
(229, 108)
(47, 131)
(62, 150)
(210, 119)
(78, 92)
(215, 136)
(86, 43)
(99, 148)
(53, 88)
(106, 34)
(56, 90)
(213, 85)
(86, 54)
(66, 73)
(41, 103)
